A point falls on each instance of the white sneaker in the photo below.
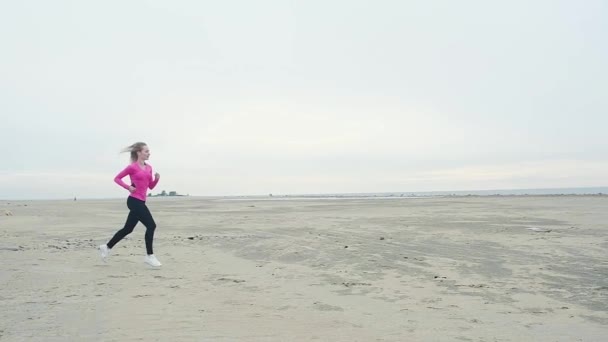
(105, 252)
(152, 261)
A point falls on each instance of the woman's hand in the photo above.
(156, 175)
(131, 189)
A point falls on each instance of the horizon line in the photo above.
(411, 193)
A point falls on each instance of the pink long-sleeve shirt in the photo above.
(141, 179)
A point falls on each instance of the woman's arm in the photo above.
(121, 175)
(155, 181)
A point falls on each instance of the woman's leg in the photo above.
(140, 212)
(144, 215)
(126, 230)
(146, 218)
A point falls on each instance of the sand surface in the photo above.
(430, 269)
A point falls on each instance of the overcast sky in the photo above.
(303, 96)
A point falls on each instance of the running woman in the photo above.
(140, 173)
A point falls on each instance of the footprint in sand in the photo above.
(351, 284)
(232, 280)
(326, 307)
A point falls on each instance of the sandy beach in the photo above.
(404, 269)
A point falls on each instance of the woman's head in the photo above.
(138, 151)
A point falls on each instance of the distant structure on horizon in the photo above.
(164, 193)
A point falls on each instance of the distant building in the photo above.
(164, 193)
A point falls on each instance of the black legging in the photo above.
(138, 212)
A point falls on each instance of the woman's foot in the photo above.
(151, 260)
(105, 252)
